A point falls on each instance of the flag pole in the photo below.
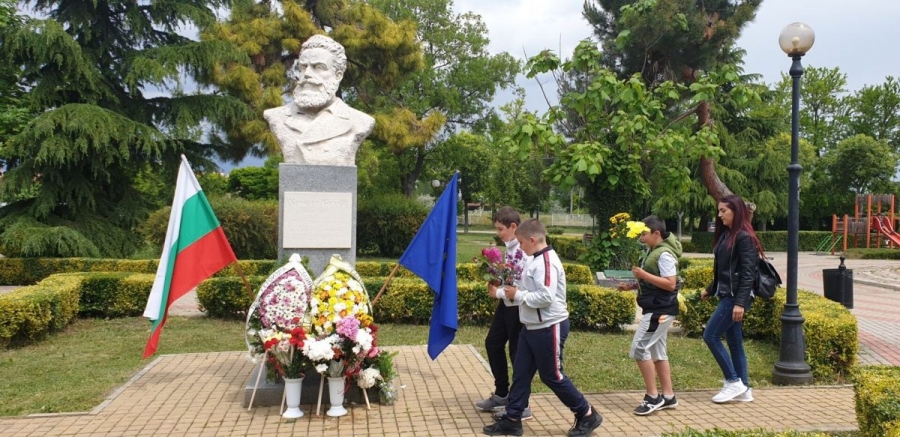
(386, 282)
(237, 265)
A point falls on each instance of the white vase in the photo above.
(336, 395)
(292, 387)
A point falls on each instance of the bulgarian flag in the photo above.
(195, 249)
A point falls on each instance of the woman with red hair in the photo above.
(736, 253)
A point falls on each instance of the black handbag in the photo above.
(767, 279)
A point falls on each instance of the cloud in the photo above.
(856, 36)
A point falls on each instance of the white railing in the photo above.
(483, 217)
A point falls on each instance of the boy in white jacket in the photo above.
(543, 312)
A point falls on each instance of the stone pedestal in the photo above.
(268, 394)
(317, 213)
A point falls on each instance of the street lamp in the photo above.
(795, 39)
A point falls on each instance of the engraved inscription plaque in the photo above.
(317, 220)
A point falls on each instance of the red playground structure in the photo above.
(878, 220)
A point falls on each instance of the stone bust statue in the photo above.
(318, 128)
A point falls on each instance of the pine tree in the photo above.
(672, 40)
(107, 80)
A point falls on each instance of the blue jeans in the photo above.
(720, 324)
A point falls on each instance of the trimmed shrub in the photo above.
(885, 253)
(31, 313)
(568, 248)
(226, 297)
(114, 294)
(575, 273)
(772, 241)
(28, 271)
(830, 329)
(600, 308)
(387, 224)
(877, 394)
(250, 226)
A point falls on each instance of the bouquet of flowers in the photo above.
(284, 351)
(626, 249)
(497, 270)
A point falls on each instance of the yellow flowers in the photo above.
(335, 297)
(635, 229)
(619, 218)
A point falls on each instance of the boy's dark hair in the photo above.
(532, 228)
(507, 215)
(656, 224)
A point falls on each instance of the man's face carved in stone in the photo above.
(317, 80)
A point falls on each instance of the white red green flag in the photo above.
(195, 249)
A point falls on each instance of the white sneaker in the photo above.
(730, 391)
(746, 396)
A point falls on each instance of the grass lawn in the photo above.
(76, 369)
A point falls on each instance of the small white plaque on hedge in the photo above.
(317, 220)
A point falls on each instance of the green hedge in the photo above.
(576, 274)
(885, 253)
(772, 241)
(567, 247)
(830, 329)
(409, 300)
(31, 313)
(877, 394)
(28, 271)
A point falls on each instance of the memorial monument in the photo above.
(319, 135)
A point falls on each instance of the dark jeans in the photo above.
(720, 324)
(541, 351)
(505, 327)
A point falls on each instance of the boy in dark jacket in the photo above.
(658, 298)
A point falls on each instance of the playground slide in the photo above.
(883, 225)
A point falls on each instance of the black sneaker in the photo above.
(504, 426)
(669, 403)
(585, 426)
(649, 405)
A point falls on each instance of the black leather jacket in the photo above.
(742, 270)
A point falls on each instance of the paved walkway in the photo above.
(201, 394)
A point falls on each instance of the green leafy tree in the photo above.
(106, 79)
(875, 111)
(823, 108)
(454, 89)
(514, 180)
(861, 164)
(673, 40)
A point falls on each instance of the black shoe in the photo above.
(504, 426)
(649, 405)
(585, 426)
(669, 403)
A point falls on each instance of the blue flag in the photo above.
(432, 256)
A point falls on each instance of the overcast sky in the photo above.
(857, 36)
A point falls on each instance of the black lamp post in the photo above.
(791, 368)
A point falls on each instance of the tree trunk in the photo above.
(714, 186)
(408, 180)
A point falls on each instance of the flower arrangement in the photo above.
(297, 325)
(284, 351)
(497, 269)
(274, 331)
(344, 334)
(625, 248)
